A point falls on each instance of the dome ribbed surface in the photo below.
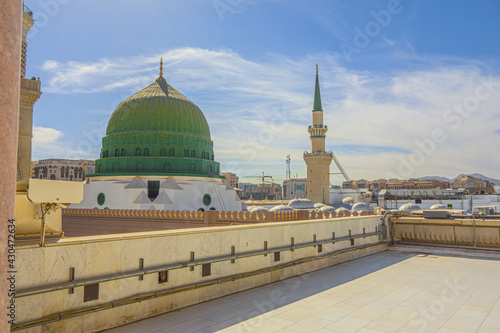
(158, 108)
(281, 208)
(326, 208)
(360, 206)
(409, 207)
(301, 204)
(439, 206)
(348, 201)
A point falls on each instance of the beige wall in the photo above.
(10, 65)
(318, 177)
(458, 231)
(110, 256)
(318, 118)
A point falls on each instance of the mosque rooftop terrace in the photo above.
(405, 289)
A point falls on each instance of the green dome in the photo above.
(157, 131)
(158, 108)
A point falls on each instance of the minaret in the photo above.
(29, 94)
(318, 160)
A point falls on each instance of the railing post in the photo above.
(210, 217)
(303, 215)
(269, 216)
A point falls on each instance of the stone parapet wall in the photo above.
(197, 265)
(447, 231)
(85, 222)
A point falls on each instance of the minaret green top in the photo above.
(317, 96)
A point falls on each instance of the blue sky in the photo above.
(409, 88)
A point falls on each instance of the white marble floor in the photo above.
(391, 291)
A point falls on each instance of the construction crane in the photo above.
(263, 179)
(342, 171)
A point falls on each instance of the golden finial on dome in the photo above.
(316, 69)
(160, 78)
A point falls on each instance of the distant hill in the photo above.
(476, 175)
(437, 178)
(483, 177)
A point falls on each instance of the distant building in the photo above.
(232, 178)
(469, 181)
(430, 184)
(357, 184)
(259, 192)
(425, 198)
(63, 169)
(247, 190)
(33, 165)
(295, 188)
(396, 184)
(474, 185)
(379, 184)
(349, 184)
(417, 185)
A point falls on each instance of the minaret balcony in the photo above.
(33, 84)
(319, 154)
(317, 131)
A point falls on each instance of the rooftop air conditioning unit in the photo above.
(436, 214)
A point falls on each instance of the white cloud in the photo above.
(47, 143)
(259, 111)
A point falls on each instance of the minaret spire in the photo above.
(317, 96)
(160, 78)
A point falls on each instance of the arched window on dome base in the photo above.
(163, 152)
(123, 152)
(171, 152)
(146, 151)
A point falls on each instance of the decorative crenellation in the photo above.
(221, 216)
